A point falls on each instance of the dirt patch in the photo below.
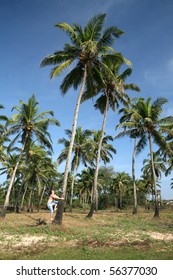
(29, 240)
(17, 241)
(20, 241)
(161, 236)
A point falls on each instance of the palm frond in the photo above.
(53, 59)
(159, 102)
(56, 71)
(73, 78)
(108, 36)
(93, 29)
(142, 143)
(132, 87)
(71, 32)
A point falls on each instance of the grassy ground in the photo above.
(108, 235)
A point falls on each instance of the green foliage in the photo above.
(106, 201)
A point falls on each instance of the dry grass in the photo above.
(106, 232)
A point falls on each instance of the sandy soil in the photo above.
(27, 240)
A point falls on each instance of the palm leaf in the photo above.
(73, 78)
(107, 37)
(55, 58)
(70, 31)
(94, 27)
(56, 71)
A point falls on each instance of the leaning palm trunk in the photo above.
(7, 198)
(94, 192)
(59, 214)
(23, 197)
(72, 191)
(97, 200)
(156, 213)
(134, 184)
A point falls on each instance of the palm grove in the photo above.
(99, 72)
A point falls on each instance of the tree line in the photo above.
(101, 73)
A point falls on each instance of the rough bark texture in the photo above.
(59, 213)
(91, 212)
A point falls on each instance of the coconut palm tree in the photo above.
(4, 119)
(129, 115)
(159, 166)
(107, 149)
(41, 169)
(7, 169)
(87, 45)
(81, 150)
(9, 165)
(148, 120)
(85, 184)
(167, 153)
(112, 88)
(120, 185)
(104, 153)
(29, 125)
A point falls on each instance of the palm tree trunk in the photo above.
(23, 197)
(119, 198)
(133, 177)
(58, 218)
(18, 197)
(97, 200)
(93, 203)
(120, 201)
(72, 188)
(156, 213)
(29, 200)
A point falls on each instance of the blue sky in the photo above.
(28, 35)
